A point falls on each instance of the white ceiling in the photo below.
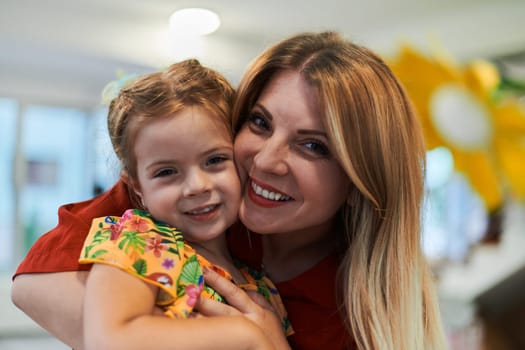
(68, 49)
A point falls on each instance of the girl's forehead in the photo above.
(193, 120)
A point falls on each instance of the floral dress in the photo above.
(157, 254)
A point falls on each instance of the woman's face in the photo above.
(291, 180)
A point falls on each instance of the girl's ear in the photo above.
(124, 177)
(134, 188)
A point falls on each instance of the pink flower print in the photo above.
(116, 230)
(155, 245)
(127, 215)
(136, 223)
(168, 263)
(193, 292)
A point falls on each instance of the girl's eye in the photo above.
(317, 147)
(258, 121)
(216, 160)
(165, 172)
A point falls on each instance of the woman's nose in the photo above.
(272, 156)
(197, 182)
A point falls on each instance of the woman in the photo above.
(331, 156)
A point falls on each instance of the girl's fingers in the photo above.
(235, 296)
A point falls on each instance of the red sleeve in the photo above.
(59, 249)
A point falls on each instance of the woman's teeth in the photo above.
(274, 196)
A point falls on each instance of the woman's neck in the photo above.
(287, 255)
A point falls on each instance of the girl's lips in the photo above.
(203, 214)
(265, 196)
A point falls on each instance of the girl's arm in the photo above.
(253, 306)
(54, 301)
(118, 315)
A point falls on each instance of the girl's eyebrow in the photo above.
(158, 163)
(222, 149)
(300, 131)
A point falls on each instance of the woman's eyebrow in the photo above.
(300, 131)
(312, 132)
(266, 112)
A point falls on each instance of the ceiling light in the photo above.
(194, 21)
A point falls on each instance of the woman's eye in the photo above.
(165, 172)
(258, 121)
(317, 148)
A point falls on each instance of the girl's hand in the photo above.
(249, 304)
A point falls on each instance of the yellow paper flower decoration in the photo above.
(457, 111)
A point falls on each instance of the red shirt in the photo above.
(309, 298)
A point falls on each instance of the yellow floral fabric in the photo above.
(157, 254)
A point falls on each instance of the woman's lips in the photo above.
(265, 196)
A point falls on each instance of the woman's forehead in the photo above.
(288, 92)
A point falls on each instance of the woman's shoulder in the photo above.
(112, 202)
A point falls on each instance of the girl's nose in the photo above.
(197, 182)
(272, 156)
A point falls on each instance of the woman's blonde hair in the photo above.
(387, 287)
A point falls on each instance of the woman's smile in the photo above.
(266, 196)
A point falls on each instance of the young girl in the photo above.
(172, 132)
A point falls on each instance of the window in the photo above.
(454, 217)
(52, 155)
(8, 132)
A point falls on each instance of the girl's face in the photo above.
(291, 180)
(186, 174)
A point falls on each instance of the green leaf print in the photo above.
(191, 271)
(181, 290)
(101, 236)
(170, 233)
(86, 251)
(173, 250)
(133, 240)
(179, 241)
(141, 267)
(264, 292)
(98, 253)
